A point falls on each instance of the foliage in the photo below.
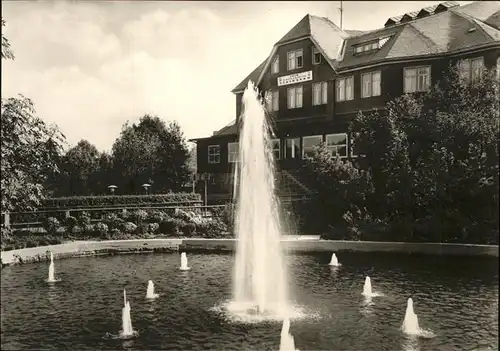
(51, 225)
(151, 152)
(129, 227)
(6, 50)
(188, 228)
(110, 200)
(30, 153)
(71, 222)
(84, 218)
(101, 229)
(429, 170)
(79, 170)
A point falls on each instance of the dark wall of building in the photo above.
(321, 120)
(202, 154)
(320, 72)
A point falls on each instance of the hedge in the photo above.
(110, 200)
(128, 225)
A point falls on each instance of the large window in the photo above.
(213, 153)
(292, 148)
(232, 152)
(295, 59)
(273, 101)
(316, 56)
(498, 68)
(370, 84)
(470, 70)
(294, 97)
(320, 93)
(337, 144)
(276, 148)
(345, 89)
(417, 79)
(309, 143)
(275, 66)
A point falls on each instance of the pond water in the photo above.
(454, 297)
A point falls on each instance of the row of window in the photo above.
(292, 148)
(295, 60)
(416, 79)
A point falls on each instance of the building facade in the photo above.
(318, 77)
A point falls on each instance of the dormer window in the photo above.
(295, 59)
(275, 66)
(371, 45)
(316, 56)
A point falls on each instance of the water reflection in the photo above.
(411, 343)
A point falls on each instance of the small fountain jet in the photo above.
(184, 262)
(334, 261)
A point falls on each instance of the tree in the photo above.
(6, 50)
(79, 169)
(433, 158)
(30, 151)
(151, 152)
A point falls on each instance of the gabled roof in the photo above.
(449, 31)
(323, 32)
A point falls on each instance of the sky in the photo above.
(91, 66)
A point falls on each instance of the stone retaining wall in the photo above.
(85, 248)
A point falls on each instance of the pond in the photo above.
(454, 297)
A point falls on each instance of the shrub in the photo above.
(129, 227)
(84, 218)
(156, 216)
(188, 229)
(100, 229)
(109, 200)
(88, 229)
(6, 232)
(139, 216)
(71, 222)
(77, 230)
(51, 225)
(113, 221)
(153, 228)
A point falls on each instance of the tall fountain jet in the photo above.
(259, 273)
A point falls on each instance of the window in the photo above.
(214, 154)
(232, 152)
(320, 93)
(477, 65)
(358, 49)
(470, 70)
(498, 68)
(276, 148)
(370, 84)
(337, 144)
(275, 67)
(292, 148)
(309, 143)
(345, 89)
(417, 79)
(272, 101)
(295, 59)
(294, 97)
(316, 56)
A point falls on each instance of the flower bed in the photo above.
(128, 225)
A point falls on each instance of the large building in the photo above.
(318, 77)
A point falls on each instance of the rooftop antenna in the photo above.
(341, 9)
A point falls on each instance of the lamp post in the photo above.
(112, 188)
(146, 187)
